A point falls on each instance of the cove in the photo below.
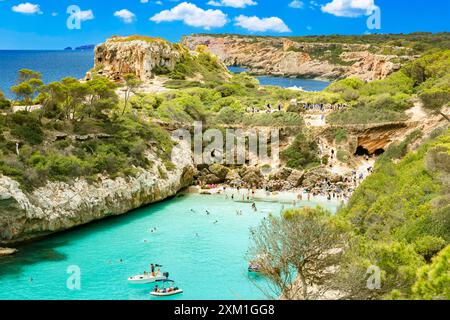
(287, 82)
(206, 259)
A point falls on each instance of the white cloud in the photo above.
(261, 24)
(296, 4)
(349, 8)
(125, 15)
(193, 16)
(27, 8)
(232, 3)
(147, 1)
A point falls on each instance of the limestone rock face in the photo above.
(120, 55)
(219, 170)
(60, 206)
(370, 66)
(282, 174)
(233, 179)
(296, 178)
(7, 251)
(312, 177)
(252, 176)
(284, 57)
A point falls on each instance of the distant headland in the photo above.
(87, 47)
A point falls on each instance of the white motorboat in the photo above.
(148, 278)
(164, 291)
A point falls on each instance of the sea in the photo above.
(55, 65)
(205, 254)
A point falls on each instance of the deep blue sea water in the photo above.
(286, 82)
(206, 259)
(53, 65)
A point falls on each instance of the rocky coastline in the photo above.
(288, 58)
(60, 206)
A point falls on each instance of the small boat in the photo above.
(165, 292)
(147, 278)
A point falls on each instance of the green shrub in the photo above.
(302, 153)
(433, 281)
(26, 126)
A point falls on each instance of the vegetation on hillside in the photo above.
(397, 223)
(410, 44)
(386, 100)
(80, 131)
(302, 153)
(400, 220)
(202, 67)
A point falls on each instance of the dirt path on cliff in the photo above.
(417, 113)
(315, 120)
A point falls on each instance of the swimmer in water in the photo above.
(208, 213)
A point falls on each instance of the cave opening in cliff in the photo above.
(379, 152)
(361, 152)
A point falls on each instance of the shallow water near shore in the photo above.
(204, 254)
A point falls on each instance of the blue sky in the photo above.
(42, 24)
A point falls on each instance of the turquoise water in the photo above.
(205, 258)
(285, 82)
(53, 65)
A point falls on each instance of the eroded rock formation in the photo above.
(60, 206)
(284, 57)
(140, 56)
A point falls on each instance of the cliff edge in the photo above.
(285, 57)
(59, 206)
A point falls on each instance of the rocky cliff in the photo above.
(60, 206)
(139, 55)
(285, 57)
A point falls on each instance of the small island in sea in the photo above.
(87, 47)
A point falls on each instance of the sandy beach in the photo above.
(294, 197)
